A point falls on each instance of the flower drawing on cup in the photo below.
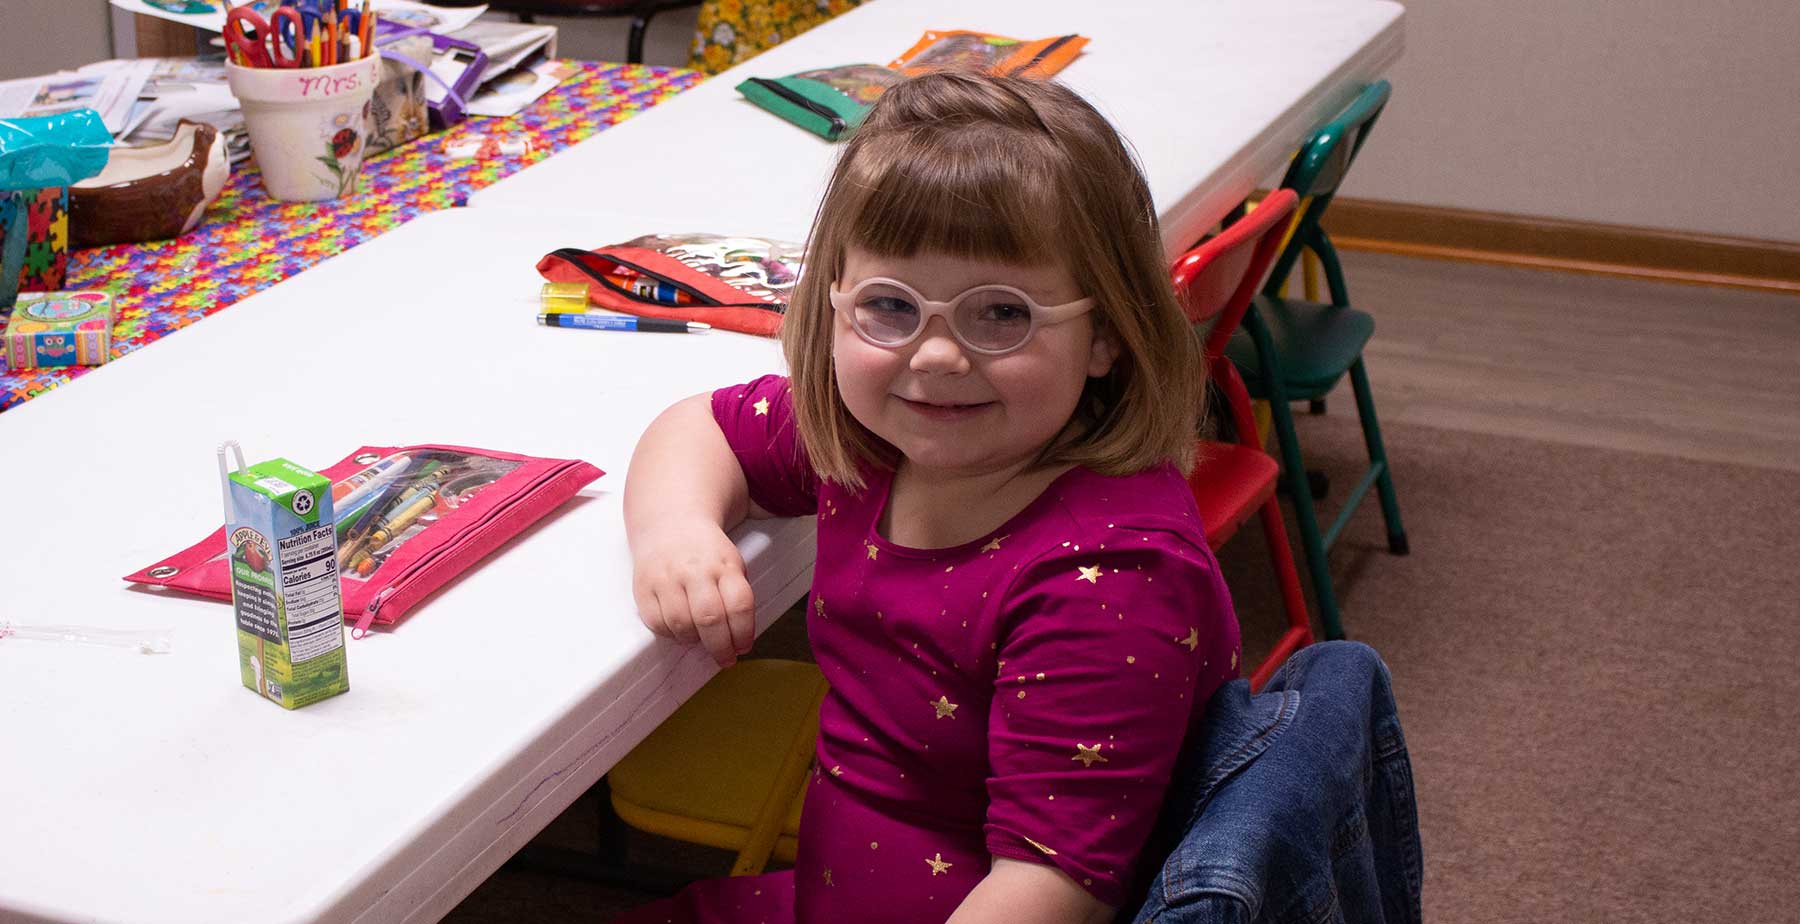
(340, 152)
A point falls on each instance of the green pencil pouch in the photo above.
(829, 102)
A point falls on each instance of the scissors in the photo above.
(263, 42)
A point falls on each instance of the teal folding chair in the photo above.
(1296, 350)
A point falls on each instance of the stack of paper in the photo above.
(521, 65)
(186, 88)
(210, 14)
(110, 90)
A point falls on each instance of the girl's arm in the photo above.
(683, 491)
(1015, 890)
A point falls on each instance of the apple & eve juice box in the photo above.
(284, 583)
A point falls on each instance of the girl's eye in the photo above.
(886, 305)
(1004, 313)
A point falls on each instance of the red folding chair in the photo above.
(1215, 283)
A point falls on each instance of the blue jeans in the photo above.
(1296, 804)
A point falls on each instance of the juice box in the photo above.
(284, 583)
(58, 329)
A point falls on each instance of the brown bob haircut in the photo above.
(1015, 171)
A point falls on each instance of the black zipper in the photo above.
(574, 256)
(1043, 53)
(810, 105)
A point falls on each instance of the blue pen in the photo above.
(618, 322)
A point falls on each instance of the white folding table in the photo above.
(1214, 96)
(155, 787)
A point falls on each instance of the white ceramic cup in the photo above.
(307, 125)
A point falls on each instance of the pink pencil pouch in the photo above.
(408, 519)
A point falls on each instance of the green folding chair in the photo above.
(1297, 350)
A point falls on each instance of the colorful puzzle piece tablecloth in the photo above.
(248, 242)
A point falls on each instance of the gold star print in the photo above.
(1192, 640)
(1090, 575)
(837, 770)
(1088, 755)
(938, 864)
(762, 407)
(828, 877)
(994, 544)
(1047, 851)
(873, 551)
(944, 707)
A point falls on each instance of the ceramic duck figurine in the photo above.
(150, 193)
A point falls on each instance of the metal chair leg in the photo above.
(1384, 485)
(1305, 516)
(1293, 468)
(1298, 634)
(634, 46)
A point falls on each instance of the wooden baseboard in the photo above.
(1572, 246)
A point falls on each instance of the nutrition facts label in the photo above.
(309, 585)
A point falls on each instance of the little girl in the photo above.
(992, 401)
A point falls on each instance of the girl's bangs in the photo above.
(984, 195)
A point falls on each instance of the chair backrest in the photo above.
(1316, 171)
(1217, 279)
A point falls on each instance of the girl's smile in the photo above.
(946, 410)
(951, 411)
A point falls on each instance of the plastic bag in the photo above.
(53, 150)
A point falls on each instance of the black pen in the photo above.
(622, 322)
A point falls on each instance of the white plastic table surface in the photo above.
(156, 788)
(1214, 95)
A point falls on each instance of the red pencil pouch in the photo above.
(732, 283)
(409, 519)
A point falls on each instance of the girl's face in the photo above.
(952, 411)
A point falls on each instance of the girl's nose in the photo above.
(936, 352)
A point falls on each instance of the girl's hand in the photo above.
(689, 582)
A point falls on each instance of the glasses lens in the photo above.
(993, 319)
(885, 314)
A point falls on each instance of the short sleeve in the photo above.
(757, 419)
(1098, 664)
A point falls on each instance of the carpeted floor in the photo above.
(1597, 657)
(1595, 654)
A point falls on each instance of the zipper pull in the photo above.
(368, 615)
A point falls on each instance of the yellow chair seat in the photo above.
(711, 771)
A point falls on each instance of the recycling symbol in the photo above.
(303, 502)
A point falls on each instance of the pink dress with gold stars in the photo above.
(1024, 695)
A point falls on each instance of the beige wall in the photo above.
(603, 38)
(1657, 113)
(41, 36)
(1660, 113)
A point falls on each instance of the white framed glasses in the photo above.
(988, 319)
